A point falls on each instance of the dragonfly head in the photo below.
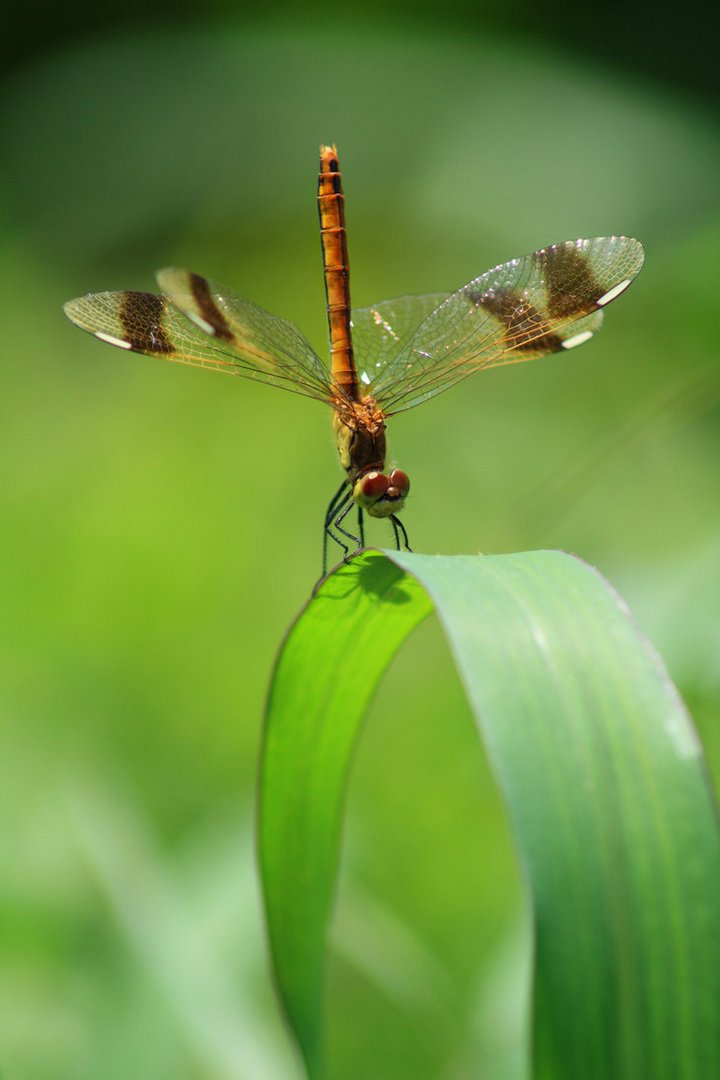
(381, 495)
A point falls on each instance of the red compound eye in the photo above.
(400, 480)
(374, 485)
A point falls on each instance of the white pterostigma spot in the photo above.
(612, 293)
(577, 339)
(199, 321)
(113, 340)
(365, 378)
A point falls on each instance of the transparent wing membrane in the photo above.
(249, 342)
(379, 331)
(521, 310)
(266, 343)
(407, 350)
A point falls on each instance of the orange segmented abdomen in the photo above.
(331, 203)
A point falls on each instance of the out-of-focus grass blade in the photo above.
(603, 780)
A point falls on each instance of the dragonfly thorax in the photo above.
(360, 435)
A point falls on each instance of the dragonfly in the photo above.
(384, 359)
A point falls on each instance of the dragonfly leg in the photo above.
(335, 501)
(399, 530)
(344, 511)
(361, 526)
(338, 499)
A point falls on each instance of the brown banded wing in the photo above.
(521, 310)
(199, 323)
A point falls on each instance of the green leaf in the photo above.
(601, 773)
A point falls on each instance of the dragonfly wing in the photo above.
(266, 343)
(521, 310)
(379, 331)
(145, 323)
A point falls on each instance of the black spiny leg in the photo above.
(338, 500)
(361, 526)
(399, 530)
(345, 508)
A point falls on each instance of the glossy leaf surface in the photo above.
(601, 773)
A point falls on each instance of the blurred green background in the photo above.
(161, 525)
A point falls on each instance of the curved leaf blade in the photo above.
(603, 779)
(325, 675)
(616, 827)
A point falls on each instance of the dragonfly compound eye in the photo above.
(400, 481)
(372, 486)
